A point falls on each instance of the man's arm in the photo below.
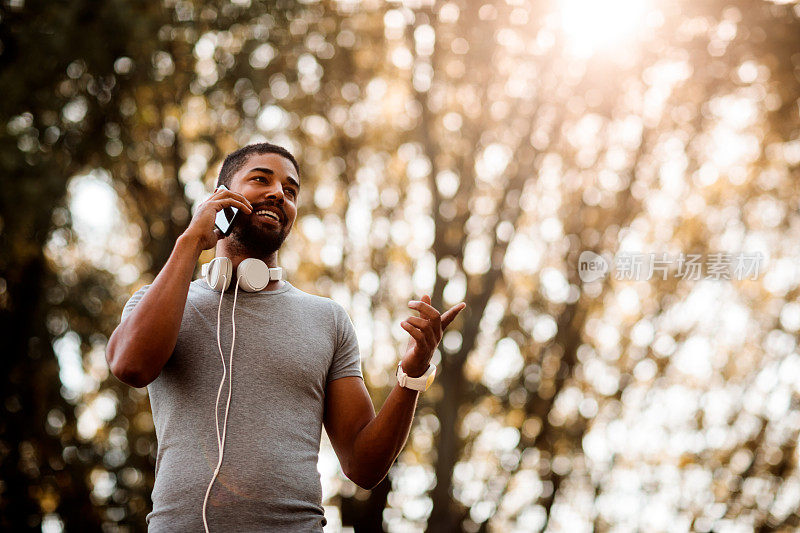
(141, 345)
(366, 444)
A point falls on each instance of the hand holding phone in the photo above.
(225, 217)
(215, 217)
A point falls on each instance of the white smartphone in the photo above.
(224, 220)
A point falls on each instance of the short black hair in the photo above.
(235, 160)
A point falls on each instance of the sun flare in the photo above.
(592, 26)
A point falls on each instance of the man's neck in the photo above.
(237, 254)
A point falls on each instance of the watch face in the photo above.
(429, 381)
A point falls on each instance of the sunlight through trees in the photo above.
(466, 150)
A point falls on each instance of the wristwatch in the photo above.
(422, 383)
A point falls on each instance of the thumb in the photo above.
(450, 315)
(426, 299)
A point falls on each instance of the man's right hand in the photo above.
(201, 228)
(141, 345)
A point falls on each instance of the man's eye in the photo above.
(291, 192)
(260, 178)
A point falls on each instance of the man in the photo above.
(295, 367)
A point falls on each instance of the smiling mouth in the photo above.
(271, 215)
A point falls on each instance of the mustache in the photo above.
(278, 207)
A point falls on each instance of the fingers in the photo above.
(432, 336)
(426, 339)
(221, 203)
(417, 333)
(428, 327)
(421, 323)
(449, 315)
(221, 194)
(425, 309)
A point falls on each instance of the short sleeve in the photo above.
(347, 359)
(133, 301)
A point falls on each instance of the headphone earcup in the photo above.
(252, 275)
(218, 273)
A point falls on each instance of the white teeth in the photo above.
(269, 214)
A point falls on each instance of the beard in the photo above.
(256, 239)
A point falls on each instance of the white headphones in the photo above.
(252, 275)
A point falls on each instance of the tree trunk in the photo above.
(446, 512)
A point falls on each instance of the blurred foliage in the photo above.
(469, 150)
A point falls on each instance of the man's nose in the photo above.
(276, 194)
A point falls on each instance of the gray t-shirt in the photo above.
(289, 345)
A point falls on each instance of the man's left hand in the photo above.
(426, 333)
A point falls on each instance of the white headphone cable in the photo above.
(224, 369)
(221, 440)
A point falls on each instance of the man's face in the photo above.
(271, 184)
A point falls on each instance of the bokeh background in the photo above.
(468, 149)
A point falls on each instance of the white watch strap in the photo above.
(421, 383)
